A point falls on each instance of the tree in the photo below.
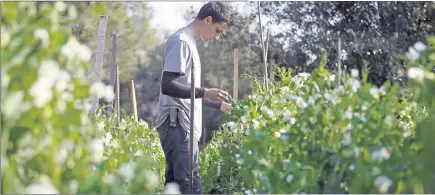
(376, 33)
(129, 21)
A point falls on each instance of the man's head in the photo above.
(215, 19)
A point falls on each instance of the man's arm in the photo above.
(171, 87)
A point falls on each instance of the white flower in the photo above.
(304, 74)
(407, 129)
(331, 98)
(355, 85)
(286, 116)
(5, 37)
(256, 124)
(412, 54)
(277, 134)
(49, 76)
(269, 113)
(356, 150)
(374, 92)
(389, 120)
(67, 96)
(172, 188)
(231, 125)
(311, 100)
(419, 46)
(332, 77)
(41, 91)
(49, 68)
(12, 105)
(289, 178)
(152, 178)
(102, 91)
(348, 127)
(67, 144)
(383, 183)
(354, 73)
(61, 156)
(285, 89)
(73, 185)
(352, 167)
(382, 90)
(126, 170)
(292, 120)
(63, 81)
(108, 137)
(74, 49)
(416, 74)
(348, 114)
(42, 35)
(347, 139)
(97, 150)
(380, 154)
(244, 119)
(44, 186)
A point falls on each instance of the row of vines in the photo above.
(307, 134)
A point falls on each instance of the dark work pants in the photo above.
(175, 142)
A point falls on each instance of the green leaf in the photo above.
(99, 8)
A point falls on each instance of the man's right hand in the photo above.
(215, 94)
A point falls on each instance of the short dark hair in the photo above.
(217, 10)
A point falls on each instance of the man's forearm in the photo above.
(171, 87)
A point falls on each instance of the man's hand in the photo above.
(225, 107)
(214, 94)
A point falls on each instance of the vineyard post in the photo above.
(339, 62)
(192, 126)
(133, 100)
(266, 80)
(118, 107)
(99, 55)
(236, 74)
(267, 42)
(112, 70)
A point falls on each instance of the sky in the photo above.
(169, 15)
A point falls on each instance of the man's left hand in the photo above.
(225, 107)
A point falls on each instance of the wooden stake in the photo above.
(192, 127)
(266, 80)
(339, 62)
(98, 66)
(118, 106)
(267, 43)
(112, 70)
(133, 99)
(236, 74)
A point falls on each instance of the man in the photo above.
(173, 118)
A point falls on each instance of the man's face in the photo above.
(212, 31)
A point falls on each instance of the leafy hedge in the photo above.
(310, 135)
(307, 134)
(50, 144)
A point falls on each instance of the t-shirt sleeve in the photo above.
(177, 57)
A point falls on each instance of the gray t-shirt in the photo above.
(179, 54)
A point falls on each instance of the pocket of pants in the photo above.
(163, 131)
(184, 136)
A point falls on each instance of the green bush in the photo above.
(50, 143)
(310, 135)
